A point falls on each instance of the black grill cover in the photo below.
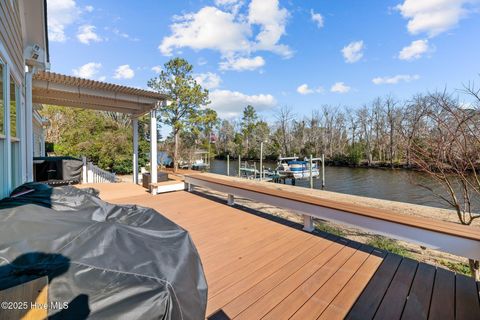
(107, 261)
(58, 168)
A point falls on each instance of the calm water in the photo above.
(396, 185)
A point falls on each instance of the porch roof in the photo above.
(58, 89)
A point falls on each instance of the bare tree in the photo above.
(415, 111)
(392, 113)
(284, 119)
(450, 154)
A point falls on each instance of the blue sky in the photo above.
(270, 53)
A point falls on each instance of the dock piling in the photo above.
(228, 165)
(311, 173)
(323, 171)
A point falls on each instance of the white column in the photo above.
(153, 146)
(135, 149)
(29, 124)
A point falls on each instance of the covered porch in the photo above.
(63, 90)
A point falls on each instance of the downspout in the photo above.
(29, 123)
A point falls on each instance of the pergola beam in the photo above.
(101, 91)
(85, 105)
(40, 94)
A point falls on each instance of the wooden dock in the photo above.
(261, 267)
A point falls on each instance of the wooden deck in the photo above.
(260, 267)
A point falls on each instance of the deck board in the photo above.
(345, 299)
(259, 267)
(442, 305)
(396, 296)
(418, 304)
(367, 304)
(322, 298)
(466, 292)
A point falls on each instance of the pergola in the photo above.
(62, 90)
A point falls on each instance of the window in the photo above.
(13, 108)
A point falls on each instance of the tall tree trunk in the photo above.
(391, 146)
(175, 152)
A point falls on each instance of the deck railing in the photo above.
(444, 236)
(93, 174)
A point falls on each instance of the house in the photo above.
(256, 266)
(26, 84)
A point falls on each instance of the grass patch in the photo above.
(389, 245)
(458, 267)
(321, 226)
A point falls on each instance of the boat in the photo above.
(291, 167)
(200, 165)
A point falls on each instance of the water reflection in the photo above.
(395, 185)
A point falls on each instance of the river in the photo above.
(396, 185)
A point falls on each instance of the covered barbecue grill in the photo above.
(105, 260)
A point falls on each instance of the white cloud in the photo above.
(353, 52)
(86, 34)
(272, 20)
(230, 104)
(340, 87)
(237, 36)
(227, 2)
(415, 50)
(304, 89)
(395, 79)
(61, 14)
(124, 72)
(157, 69)
(208, 80)
(317, 18)
(89, 8)
(433, 16)
(242, 64)
(230, 5)
(88, 70)
(209, 28)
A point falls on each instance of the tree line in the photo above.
(381, 133)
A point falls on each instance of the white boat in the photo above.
(294, 168)
(199, 164)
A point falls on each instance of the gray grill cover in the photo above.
(107, 261)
